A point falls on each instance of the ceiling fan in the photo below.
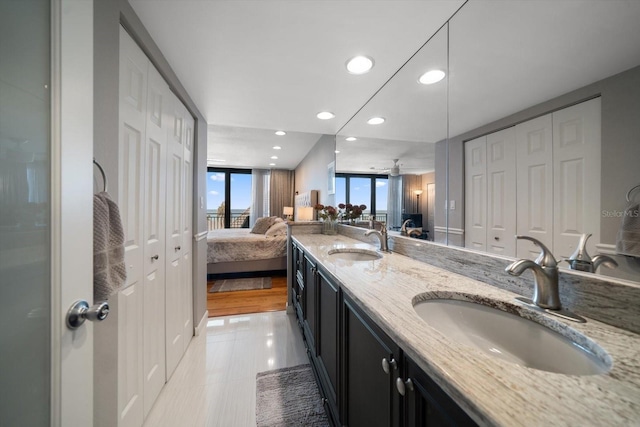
(393, 170)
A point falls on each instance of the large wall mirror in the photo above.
(534, 130)
(544, 136)
(407, 150)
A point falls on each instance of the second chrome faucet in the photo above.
(382, 235)
(546, 292)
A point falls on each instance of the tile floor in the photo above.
(215, 383)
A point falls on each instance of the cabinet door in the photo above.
(368, 397)
(186, 284)
(327, 343)
(309, 305)
(426, 404)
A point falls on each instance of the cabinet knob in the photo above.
(403, 386)
(177, 248)
(389, 365)
(155, 258)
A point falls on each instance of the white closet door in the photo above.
(174, 344)
(132, 122)
(154, 238)
(576, 164)
(501, 192)
(534, 151)
(475, 161)
(187, 231)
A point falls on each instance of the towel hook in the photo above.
(104, 176)
(631, 191)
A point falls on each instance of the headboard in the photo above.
(308, 198)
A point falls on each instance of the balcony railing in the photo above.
(238, 220)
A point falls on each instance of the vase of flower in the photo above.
(330, 226)
(329, 216)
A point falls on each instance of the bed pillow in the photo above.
(277, 229)
(262, 224)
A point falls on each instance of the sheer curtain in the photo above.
(282, 188)
(394, 200)
(260, 183)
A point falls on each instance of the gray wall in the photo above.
(620, 97)
(108, 15)
(311, 173)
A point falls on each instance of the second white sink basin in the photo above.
(354, 254)
(512, 338)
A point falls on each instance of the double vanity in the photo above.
(395, 341)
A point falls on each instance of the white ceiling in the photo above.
(274, 64)
(255, 66)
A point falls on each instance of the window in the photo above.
(228, 198)
(369, 190)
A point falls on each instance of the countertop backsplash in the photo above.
(611, 301)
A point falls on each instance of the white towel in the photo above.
(109, 270)
(628, 239)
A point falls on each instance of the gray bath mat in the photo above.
(246, 284)
(289, 397)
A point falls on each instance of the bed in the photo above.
(238, 250)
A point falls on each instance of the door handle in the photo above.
(80, 311)
(177, 248)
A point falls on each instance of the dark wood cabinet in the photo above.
(309, 304)
(370, 368)
(426, 404)
(327, 340)
(363, 376)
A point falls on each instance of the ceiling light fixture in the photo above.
(325, 115)
(376, 120)
(359, 65)
(272, 164)
(274, 157)
(277, 147)
(351, 138)
(280, 133)
(431, 77)
(337, 151)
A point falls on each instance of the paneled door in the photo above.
(534, 151)
(154, 237)
(132, 152)
(46, 219)
(576, 168)
(475, 160)
(501, 192)
(187, 231)
(175, 339)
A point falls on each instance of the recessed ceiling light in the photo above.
(351, 138)
(280, 132)
(272, 164)
(376, 120)
(277, 147)
(325, 115)
(359, 65)
(274, 157)
(337, 151)
(431, 77)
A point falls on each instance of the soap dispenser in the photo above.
(581, 260)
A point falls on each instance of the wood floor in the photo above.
(245, 302)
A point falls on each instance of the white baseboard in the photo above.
(202, 325)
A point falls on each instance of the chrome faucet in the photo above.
(545, 274)
(382, 235)
(580, 260)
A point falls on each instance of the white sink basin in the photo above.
(512, 338)
(354, 254)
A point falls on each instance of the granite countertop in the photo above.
(490, 390)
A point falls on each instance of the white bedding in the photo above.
(238, 244)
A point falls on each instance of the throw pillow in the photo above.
(262, 224)
(277, 229)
